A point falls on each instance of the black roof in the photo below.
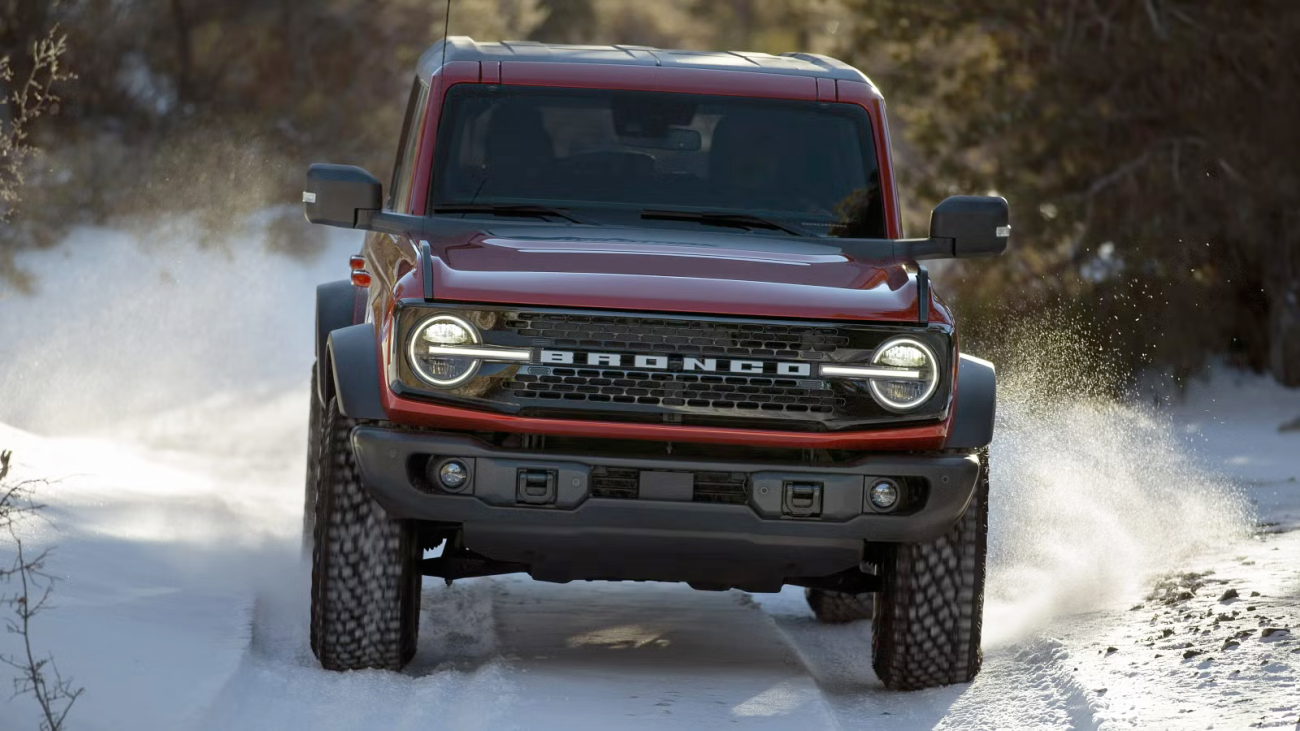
(464, 48)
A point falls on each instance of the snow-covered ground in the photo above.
(162, 390)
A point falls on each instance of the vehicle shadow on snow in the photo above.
(616, 626)
(633, 626)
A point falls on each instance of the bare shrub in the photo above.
(37, 675)
(27, 100)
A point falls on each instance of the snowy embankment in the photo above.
(163, 391)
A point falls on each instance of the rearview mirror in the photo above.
(341, 195)
(677, 138)
(977, 225)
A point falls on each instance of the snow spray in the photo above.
(1090, 497)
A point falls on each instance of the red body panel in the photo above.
(626, 274)
(867, 97)
(457, 72)
(659, 78)
(419, 413)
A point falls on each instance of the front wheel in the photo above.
(365, 578)
(925, 631)
(838, 607)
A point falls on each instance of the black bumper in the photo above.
(785, 521)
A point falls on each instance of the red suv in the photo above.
(635, 314)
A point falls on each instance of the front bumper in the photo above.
(784, 520)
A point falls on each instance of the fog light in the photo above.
(453, 474)
(883, 495)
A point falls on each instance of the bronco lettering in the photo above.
(677, 363)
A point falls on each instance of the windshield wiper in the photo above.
(508, 210)
(738, 220)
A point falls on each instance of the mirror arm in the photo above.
(398, 224)
(931, 248)
(388, 222)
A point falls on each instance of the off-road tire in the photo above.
(365, 579)
(313, 463)
(838, 607)
(929, 612)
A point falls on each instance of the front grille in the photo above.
(688, 390)
(681, 337)
(710, 487)
(677, 390)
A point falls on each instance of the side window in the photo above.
(399, 192)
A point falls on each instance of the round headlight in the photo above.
(918, 374)
(429, 353)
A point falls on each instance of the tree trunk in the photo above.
(183, 52)
(1282, 286)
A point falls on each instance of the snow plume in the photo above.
(1091, 497)
(124, 331)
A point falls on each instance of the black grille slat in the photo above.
(679, 336)
(721, 487)
(697, 392)
(615, 482)
(623, 483)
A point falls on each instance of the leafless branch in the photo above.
(1236, 177)
(1118, 173)
(30, 99)
(1154, 16)
(38, 676)
(1103, 21)
(1187, 19)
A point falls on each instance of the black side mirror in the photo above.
(341, 195)
(977, 225)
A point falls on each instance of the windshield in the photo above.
(612, 154)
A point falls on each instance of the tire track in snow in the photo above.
(838, 657)
(1030, 686)
(457, 680)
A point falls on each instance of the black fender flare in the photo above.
(976, 404)
(353, 358)
(336, 307)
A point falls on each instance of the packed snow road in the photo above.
(1129, 587)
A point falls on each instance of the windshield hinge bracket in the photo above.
(426, 269)
(923, 295)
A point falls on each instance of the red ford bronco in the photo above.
(635, 314)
